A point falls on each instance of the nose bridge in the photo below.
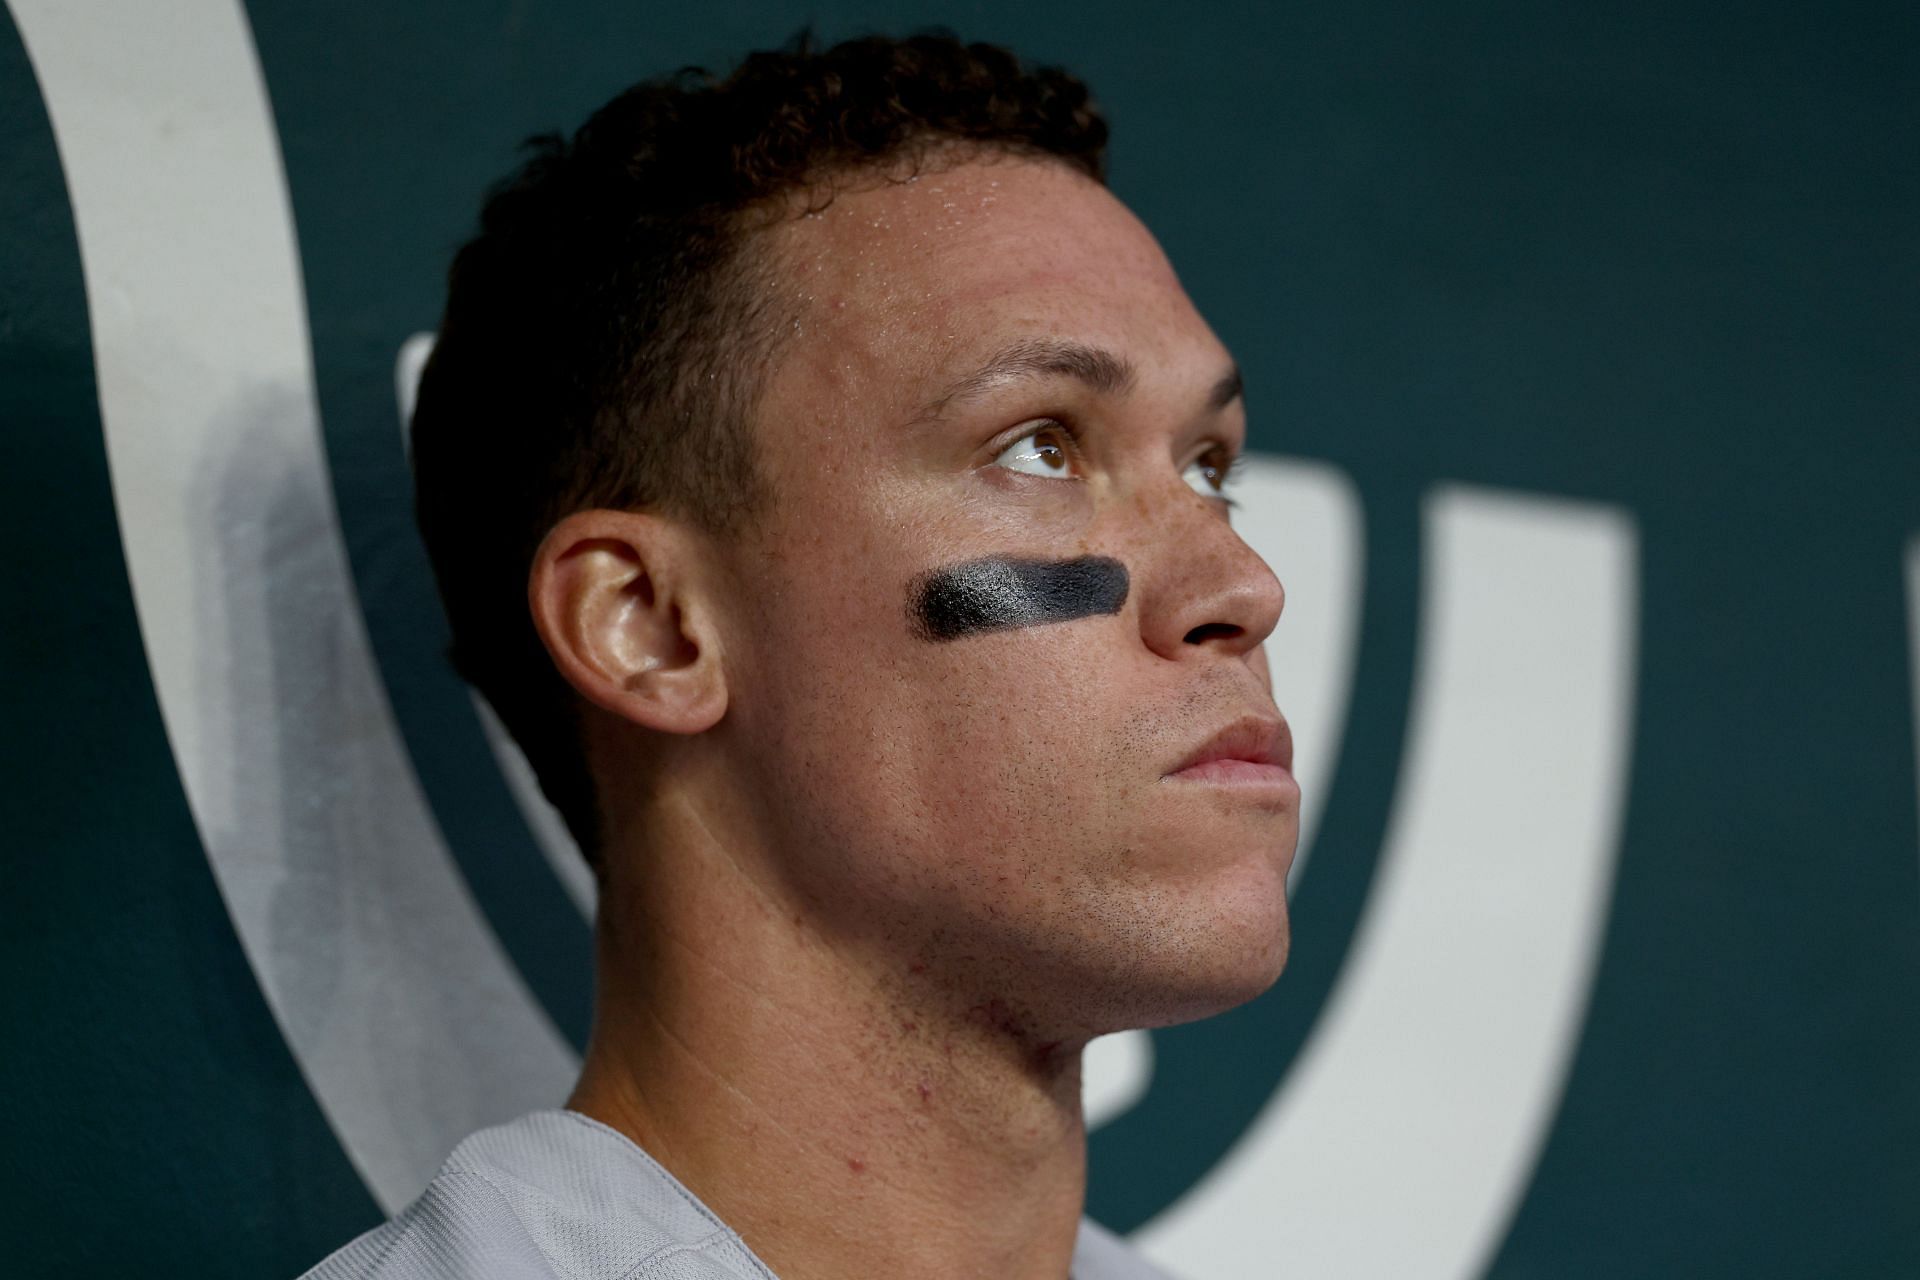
(1201, 588)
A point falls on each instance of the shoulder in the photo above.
(557, 1196)
(1101, 1255)
(551, 1196)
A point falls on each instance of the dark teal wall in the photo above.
(1660, 255)
(155, 1123)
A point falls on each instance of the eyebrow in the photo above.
(1099, 369)
(1231, 387)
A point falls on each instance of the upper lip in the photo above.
(1260, 739)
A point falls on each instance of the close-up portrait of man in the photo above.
(705, 640)
(824, 475)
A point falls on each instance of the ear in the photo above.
(621, 602)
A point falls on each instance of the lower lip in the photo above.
(1236, 773)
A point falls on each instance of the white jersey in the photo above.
(558, 1196)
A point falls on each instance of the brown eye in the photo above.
(1207, 474)
(1045, 452)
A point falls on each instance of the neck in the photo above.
(844, 1119)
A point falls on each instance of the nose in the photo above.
(1209, 592)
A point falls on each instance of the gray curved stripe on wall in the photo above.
(340, 887)
(1404, 1137)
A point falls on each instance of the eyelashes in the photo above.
(1050, 450)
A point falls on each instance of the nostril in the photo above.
(1214, 631)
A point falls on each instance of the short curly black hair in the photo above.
(607, 331)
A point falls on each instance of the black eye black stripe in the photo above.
(995, 593)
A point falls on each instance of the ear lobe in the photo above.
(619, 601)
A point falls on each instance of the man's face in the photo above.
(971, 771)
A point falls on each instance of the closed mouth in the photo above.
(1252, 749)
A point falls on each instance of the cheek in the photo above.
(1022, 739)
(944, 761)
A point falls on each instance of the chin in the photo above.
(1186, 961)
(1231, 979)
(1222, 938)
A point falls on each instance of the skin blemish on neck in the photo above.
(996, 593)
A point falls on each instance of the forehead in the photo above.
(896, 284)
